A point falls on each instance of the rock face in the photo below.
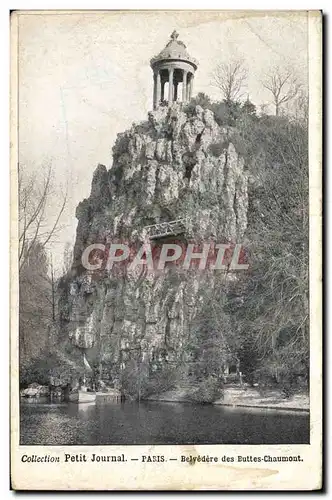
(175, 165)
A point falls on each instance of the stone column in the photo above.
(154, 90)
(188, 88)
(191, 86)
(184, 86)
(158, 89)
(175, 97)
(170, 86)
(162, 95)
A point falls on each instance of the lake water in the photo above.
(158, 423)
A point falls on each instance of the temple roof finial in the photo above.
(174, 35)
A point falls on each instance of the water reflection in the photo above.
(158, 423)
(84, 410)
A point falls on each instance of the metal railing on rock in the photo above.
(163, 229)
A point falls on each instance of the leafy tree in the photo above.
(248, 108)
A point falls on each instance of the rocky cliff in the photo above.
(177, 164)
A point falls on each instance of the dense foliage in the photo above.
(268, 306)
(35, 305)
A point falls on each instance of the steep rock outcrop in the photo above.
(175, 165)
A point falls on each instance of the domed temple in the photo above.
(173, 68)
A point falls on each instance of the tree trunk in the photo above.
(53, 292)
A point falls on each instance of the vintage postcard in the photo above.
(166, 327)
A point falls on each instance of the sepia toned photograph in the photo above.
(161, 236)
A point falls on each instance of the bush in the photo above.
(162, 381)
(226, 113)
(200, 100)
(285, 371)
(49, 363)
(208, 391)
(136, 379)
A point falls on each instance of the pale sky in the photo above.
(85, 77)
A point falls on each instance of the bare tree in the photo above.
(230, 79)
(35, 224)
(40, 210)
(283, 86)
(67, 257)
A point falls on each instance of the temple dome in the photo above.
(174, 50)
(173, 68)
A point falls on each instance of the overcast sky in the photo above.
(85, 77)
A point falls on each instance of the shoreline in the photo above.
(236, 397)
(230, 405)
(264, 407)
